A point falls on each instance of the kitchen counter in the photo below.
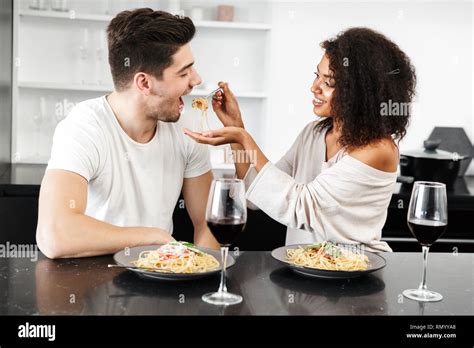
(19, 189)
(87, 287)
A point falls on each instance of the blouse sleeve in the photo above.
(285, 164)
(346, 202)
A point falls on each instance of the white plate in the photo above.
(125, 258)
(376, 262)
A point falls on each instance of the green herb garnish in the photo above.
(329, 248)
(332, 250)
(313, 246)
(190, 246)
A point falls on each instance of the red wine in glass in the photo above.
(427, 219)
(427, 231)
(226, 215)
(226, 230)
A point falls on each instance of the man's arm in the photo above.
(195, 192)
(65, 231)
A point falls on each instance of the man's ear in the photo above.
(142, 82)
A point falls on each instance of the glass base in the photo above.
(222, 298)
(422, 295)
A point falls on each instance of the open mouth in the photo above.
(181, 101)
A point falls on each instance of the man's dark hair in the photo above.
(145, 40)
(369, 70)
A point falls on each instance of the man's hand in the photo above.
(226, 107)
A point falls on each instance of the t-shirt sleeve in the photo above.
(198, 160)
(77, 147)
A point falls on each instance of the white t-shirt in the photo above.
(129, 184)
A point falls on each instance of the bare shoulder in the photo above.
(382, 155)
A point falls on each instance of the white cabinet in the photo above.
(60, 59)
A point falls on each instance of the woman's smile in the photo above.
(318, 102)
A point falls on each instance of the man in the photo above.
(119, 162)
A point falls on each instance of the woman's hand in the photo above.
(226, 135)
(226, 107)
(234, 135)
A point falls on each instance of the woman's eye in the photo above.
(330, 85)
(327, 83)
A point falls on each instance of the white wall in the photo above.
(437, 36)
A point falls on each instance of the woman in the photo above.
(336, 181)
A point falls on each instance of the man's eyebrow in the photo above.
(185, 67)
(328, 76)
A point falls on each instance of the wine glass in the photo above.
(226, 215)
(427, 219)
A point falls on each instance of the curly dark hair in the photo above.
(370, 71)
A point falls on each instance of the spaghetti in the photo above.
(177, 257)
(327, 256)
(201, 104)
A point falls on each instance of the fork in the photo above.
(212, 93)
(140, 268)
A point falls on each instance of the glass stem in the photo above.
(425, 264)
(222, 286)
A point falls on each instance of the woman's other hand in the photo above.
(226, 135)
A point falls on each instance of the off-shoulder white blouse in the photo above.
(343, 200)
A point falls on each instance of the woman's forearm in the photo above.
(256, 155)
(241, 161)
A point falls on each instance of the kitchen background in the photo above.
(54, 54)
(268, 53)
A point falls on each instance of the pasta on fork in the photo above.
(201, 104)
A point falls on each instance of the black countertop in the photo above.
(21, 174)
(87, 287)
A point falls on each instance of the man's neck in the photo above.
(131, 117)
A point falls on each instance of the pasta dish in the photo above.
(327, 256)
(177, 257)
